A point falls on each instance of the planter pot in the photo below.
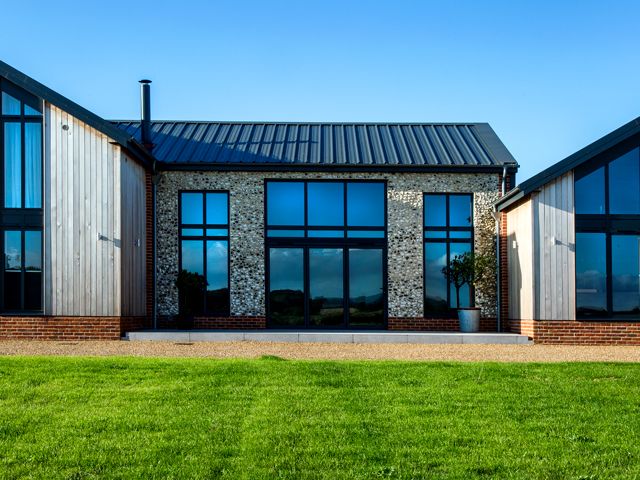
(469, 320)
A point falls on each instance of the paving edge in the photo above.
(333, 337)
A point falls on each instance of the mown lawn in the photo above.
(192, 418)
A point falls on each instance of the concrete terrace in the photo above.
(369, 336)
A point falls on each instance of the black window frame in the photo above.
(608, 224)
(20, 218)
(345, 242)
(448, 240)
(306, 228)
(204, 238)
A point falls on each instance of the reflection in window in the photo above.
(326, 307)
(10, 105)
(458, 249)
(285, 203)
(12, 165)
(589, 193)
(21, 155)
(325, 204)
(365, 204)
(435, 210)
(366, 287)
(325, 270)
(286, 286)
(448, 232)
(624, 184)
(22, 270)
(460, 211)
(607, 197)
(32, 165)
(591, 273)
(204, 251)
(325, 209)
(625, 272)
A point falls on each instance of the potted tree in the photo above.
(470, 269)
(191, 289)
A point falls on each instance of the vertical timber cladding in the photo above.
(554, 250)
(247, 263)
(94, 213)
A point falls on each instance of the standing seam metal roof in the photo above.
(199, 143)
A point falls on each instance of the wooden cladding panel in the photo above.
(133, 237)
(554, 250)
(82, 201)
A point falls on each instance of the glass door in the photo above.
(326, 287)
(366, 288)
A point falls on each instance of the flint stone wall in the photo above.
(247, 263)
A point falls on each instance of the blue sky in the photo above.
(550, 77)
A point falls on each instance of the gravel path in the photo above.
(327, 351)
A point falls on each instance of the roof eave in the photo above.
(306, 167)
(39, 90)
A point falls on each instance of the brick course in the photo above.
(572, 332)
(69, 328)
(436, 324)
(148, 183)
(244, 323)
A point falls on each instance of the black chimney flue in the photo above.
(145, 107)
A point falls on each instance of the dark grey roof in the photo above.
(195, 144)
(574, 160)
(39, 90)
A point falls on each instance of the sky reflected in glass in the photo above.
(326, 204)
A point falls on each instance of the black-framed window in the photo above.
(448, 231)
(325, 244)
(607, 209)
(204, 247)
(21, 198)
(325, 209)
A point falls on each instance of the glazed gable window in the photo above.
(21, 197)
(204, 249)
(448, 231)
(607, 206)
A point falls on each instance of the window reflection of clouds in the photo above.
(33, 250)
(625, 266)
(365, 272)
(325, 272)
(192, 260)
(285, 269)
(217, 254)
(591, 271)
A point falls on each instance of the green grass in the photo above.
(191, 418)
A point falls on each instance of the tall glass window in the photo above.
(448, 232)
(326, 251)
(21, 200)
(607, 205)
(204, 249)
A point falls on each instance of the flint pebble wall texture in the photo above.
(247, 264)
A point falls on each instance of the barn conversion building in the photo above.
(571, 253)
(289, 225)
